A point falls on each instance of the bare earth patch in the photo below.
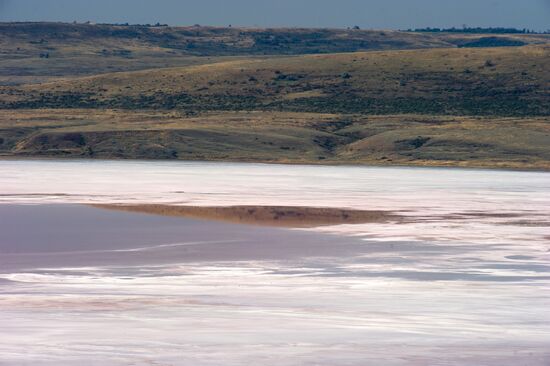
(281, 216)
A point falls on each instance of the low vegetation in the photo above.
(281, 137)
(476, 81)
(479, 30)
(117, 91)
(39, 52)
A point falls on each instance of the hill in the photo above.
(37, 52)
(507, 81)
(275, 95)
(278, 137)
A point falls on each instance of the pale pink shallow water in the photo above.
(450, 287)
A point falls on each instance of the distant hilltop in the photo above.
(473, 30)
(52, 37)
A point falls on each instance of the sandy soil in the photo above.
(280, 216)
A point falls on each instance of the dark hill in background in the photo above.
(32, 52)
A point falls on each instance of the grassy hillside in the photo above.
(37, 52)
(464, 81)
(275, 95)
(278, 137)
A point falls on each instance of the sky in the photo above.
(379, 14)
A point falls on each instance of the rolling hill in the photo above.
(506, 81)
(279, 95)
(37, 52)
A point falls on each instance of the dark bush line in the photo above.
(492, 42)
(505, 105)
(490, 30)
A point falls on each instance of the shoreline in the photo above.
(293, 163)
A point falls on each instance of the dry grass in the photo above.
(225, 99)
(499, 81)
(79, 49)
(285, 137)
